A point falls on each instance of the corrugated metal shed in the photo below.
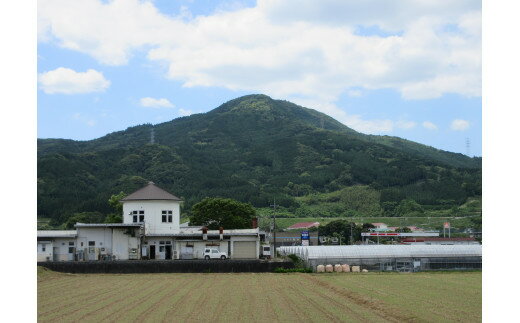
(57, 233)
(383, 251)
(108, 225)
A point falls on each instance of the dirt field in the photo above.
(373, 297)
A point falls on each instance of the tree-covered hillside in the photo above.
(252, 149)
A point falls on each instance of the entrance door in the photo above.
(152, 251)
(55, 253)
(168, 252)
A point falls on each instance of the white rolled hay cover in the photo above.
(346, 268)
(355, 269)
(329, 268)
(320, 269)
(365, 270)
(337, 268)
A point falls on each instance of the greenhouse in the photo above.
(404, 258)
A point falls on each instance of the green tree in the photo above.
(389, 208)
(341, 228)
(366, 227)
(221, 212)
(408, 207)
(114, 202)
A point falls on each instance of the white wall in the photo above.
(122, 243)
(157, 242)
(47, 254)
(153, 215)
(101, 236)
(61, 249)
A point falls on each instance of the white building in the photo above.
(150, 230)
(56, 245)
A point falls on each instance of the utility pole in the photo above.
(351, 235)
(274, 227)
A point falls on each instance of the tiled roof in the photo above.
(150, 192)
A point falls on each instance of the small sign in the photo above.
(446, 225)
(305, 238)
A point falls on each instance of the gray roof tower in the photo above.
(150, 192)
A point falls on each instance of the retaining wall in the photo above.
(165, 266)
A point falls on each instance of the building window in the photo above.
(161, 242)
(71, 243)
(168, 242)
(71, 249)
(137, 215)
(43, 247)
(167, 216)
(161, 249)
(91, 243)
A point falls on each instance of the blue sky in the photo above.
(409, 69)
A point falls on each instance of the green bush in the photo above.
(292, 270)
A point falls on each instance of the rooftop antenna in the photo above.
(152, 135)
(468, 150)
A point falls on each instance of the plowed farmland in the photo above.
(336, 297)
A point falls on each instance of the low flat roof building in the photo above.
(150, 230)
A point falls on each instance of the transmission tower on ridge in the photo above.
(468, 150)
(152, 135)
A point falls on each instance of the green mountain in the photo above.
(253, 149)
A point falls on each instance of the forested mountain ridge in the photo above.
(252, 149)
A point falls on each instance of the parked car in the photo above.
(211, 253)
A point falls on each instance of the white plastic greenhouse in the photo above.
(391, 257)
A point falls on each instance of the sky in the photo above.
(408, 68)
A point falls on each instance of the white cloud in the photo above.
(314, 49)
(155, 103)
(429, 125)
(85, 120)
(184, 112)
(459, 125)
(288, 49)
(355, 121)
(67, 81)
(405, 124)
(354, 93)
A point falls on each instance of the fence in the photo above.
(165, 266)
(404, 264)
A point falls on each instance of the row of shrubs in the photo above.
(292, 270)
